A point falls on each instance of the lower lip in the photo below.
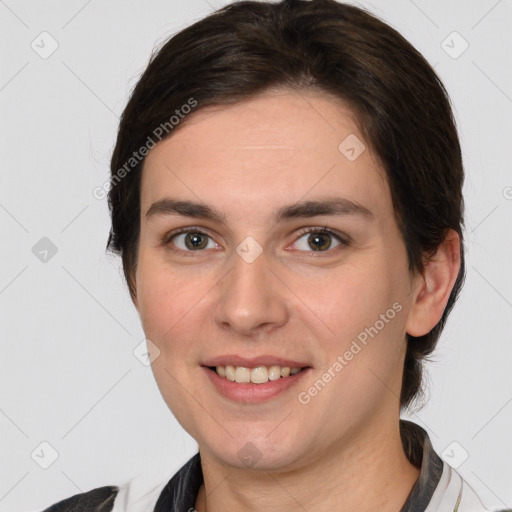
(250, 393)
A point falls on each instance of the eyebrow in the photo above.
(303, 209)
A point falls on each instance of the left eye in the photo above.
(318, 241)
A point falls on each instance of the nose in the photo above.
(252, 299)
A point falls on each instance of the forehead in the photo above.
(280, 147)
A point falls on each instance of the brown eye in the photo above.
(192, 241)
(195, 241)
(319, 240)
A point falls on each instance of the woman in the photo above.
(286, 197)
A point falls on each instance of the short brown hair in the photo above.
(401, 105)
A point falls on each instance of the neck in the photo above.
(367, 473)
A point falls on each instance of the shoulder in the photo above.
(139, 494)
(100, 499)
(454, 493)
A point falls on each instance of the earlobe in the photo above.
(433, 287)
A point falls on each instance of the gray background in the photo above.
(68, 375)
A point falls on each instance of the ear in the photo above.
(432, 288)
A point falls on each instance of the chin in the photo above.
(255, 449)
(257, 458)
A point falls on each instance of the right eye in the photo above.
(191, 241)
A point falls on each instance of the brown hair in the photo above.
(401, 105)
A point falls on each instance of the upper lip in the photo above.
(253, 362)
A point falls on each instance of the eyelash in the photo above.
(343, 239)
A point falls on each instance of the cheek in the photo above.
(169, 301)
(367, 318)
(364, 311)
(348, 299)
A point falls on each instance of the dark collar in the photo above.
(420, 452)
(180, 494)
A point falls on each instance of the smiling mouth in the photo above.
(257, 375)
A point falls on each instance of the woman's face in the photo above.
(268, 241)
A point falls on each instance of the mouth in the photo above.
(253, 380)
(257, 374)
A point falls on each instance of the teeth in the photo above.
(274, 373)
(242, 374)
(230, 372)
(258, 375)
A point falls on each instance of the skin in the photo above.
(247, 161)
